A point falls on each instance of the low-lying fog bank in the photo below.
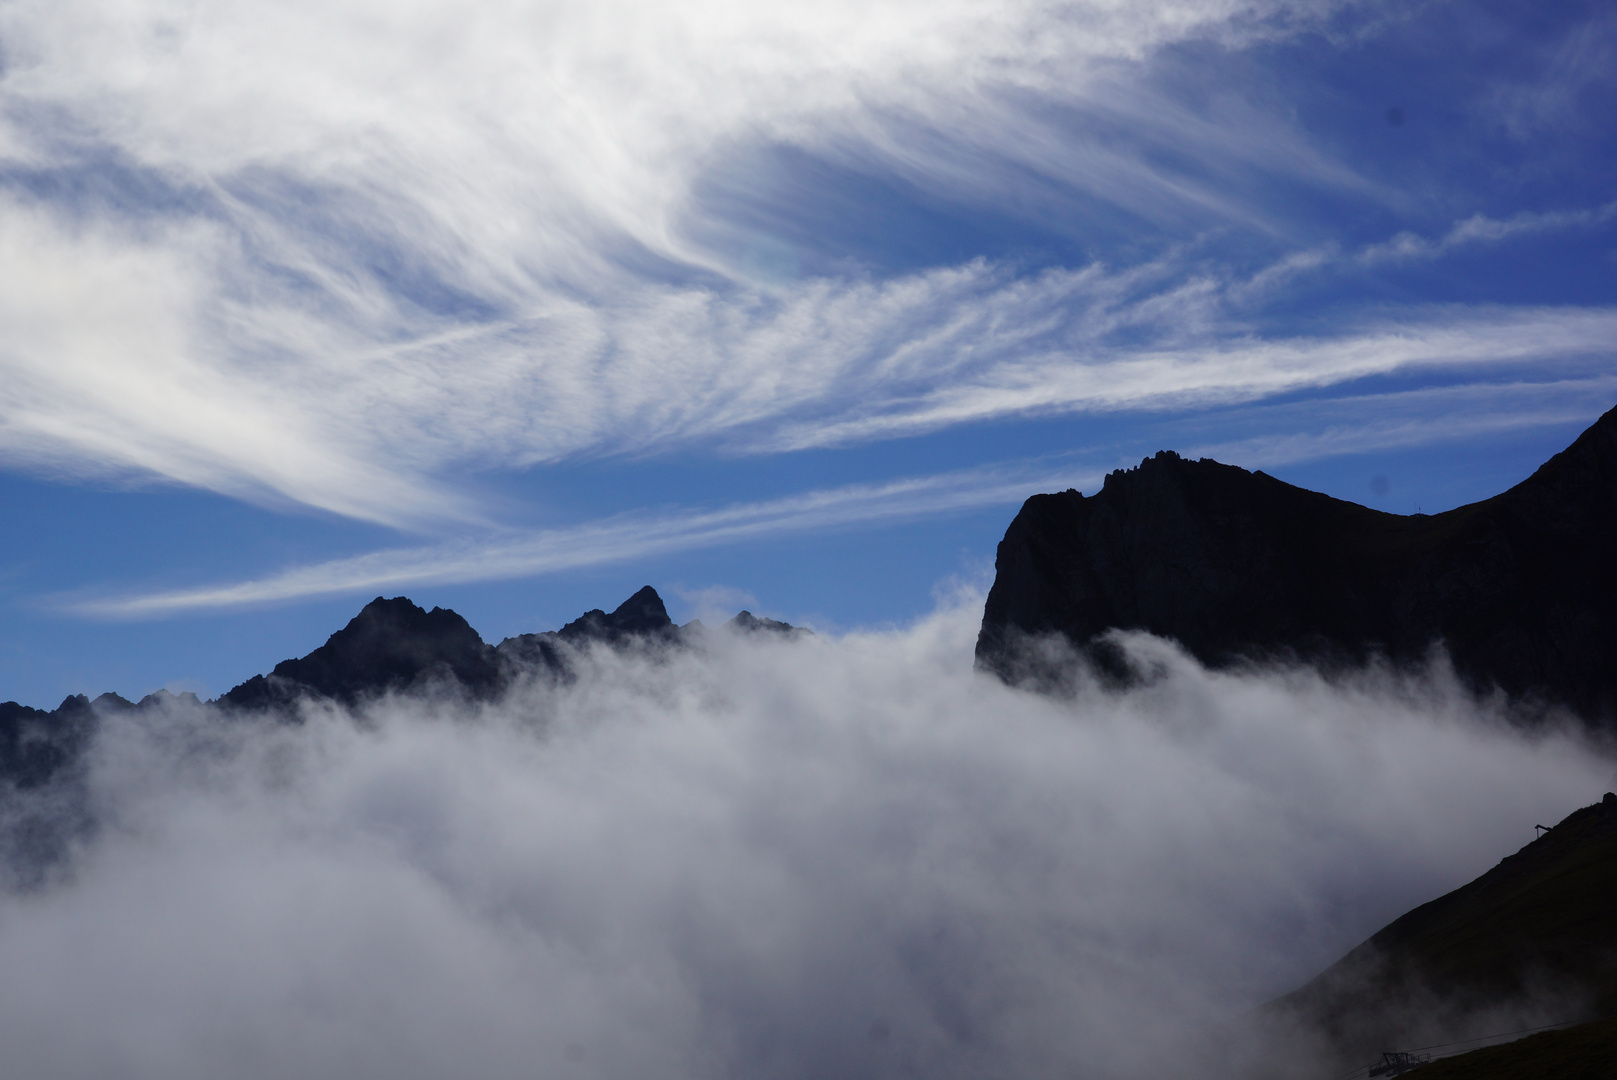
(761, 858)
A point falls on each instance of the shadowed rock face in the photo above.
(389, 645)
(642, 617)
(393, 645)
(1521, 588)
(35, 744)
(43, 809)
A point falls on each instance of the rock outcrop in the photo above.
(1521, 589)
(394, 646)
(389, 645)
(642, 617)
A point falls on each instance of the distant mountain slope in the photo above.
(391, 645)
(36, 744)
(1534, 936)
(1521, 588)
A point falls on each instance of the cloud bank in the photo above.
(804, 858)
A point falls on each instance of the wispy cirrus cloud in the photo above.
(1220, 369)
(619, 539)
(1295, 432)
(331, 253)
(1482, 229)
(263, 401)
(1370, 423)
(341, 255)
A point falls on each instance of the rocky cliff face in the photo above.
(1236, 565)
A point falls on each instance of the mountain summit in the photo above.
(389, 645)
(394, 645)
(1521, 588)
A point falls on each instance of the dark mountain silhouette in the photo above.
(1520, 588)
(36, 745)
(1534, 939)
(42, 785)
(643, 614)
(748, 623)
(641, 617)
(389, 645)
(393, 645)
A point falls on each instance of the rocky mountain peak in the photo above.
(1521, 589)
(389, 645)
(641, 614)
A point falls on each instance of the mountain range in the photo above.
(1518, 591)
(392, 645)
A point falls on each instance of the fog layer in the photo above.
(759, 858)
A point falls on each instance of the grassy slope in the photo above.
(1585, 1052)
(1534, 939)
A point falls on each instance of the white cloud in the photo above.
(340, 250)
(343, 254)
(1482, 229)
(611, 541)
(1295, 432)
(1046, 378)
(832, 857)
(107, 370)
(1369, 423)
(264, 400)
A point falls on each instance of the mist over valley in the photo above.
(629, 847)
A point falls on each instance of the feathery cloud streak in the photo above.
(615, 540)
(338, 254)
(242, 215)
(109, 368)
(1299, 432)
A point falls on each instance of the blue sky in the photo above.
(515, 307)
